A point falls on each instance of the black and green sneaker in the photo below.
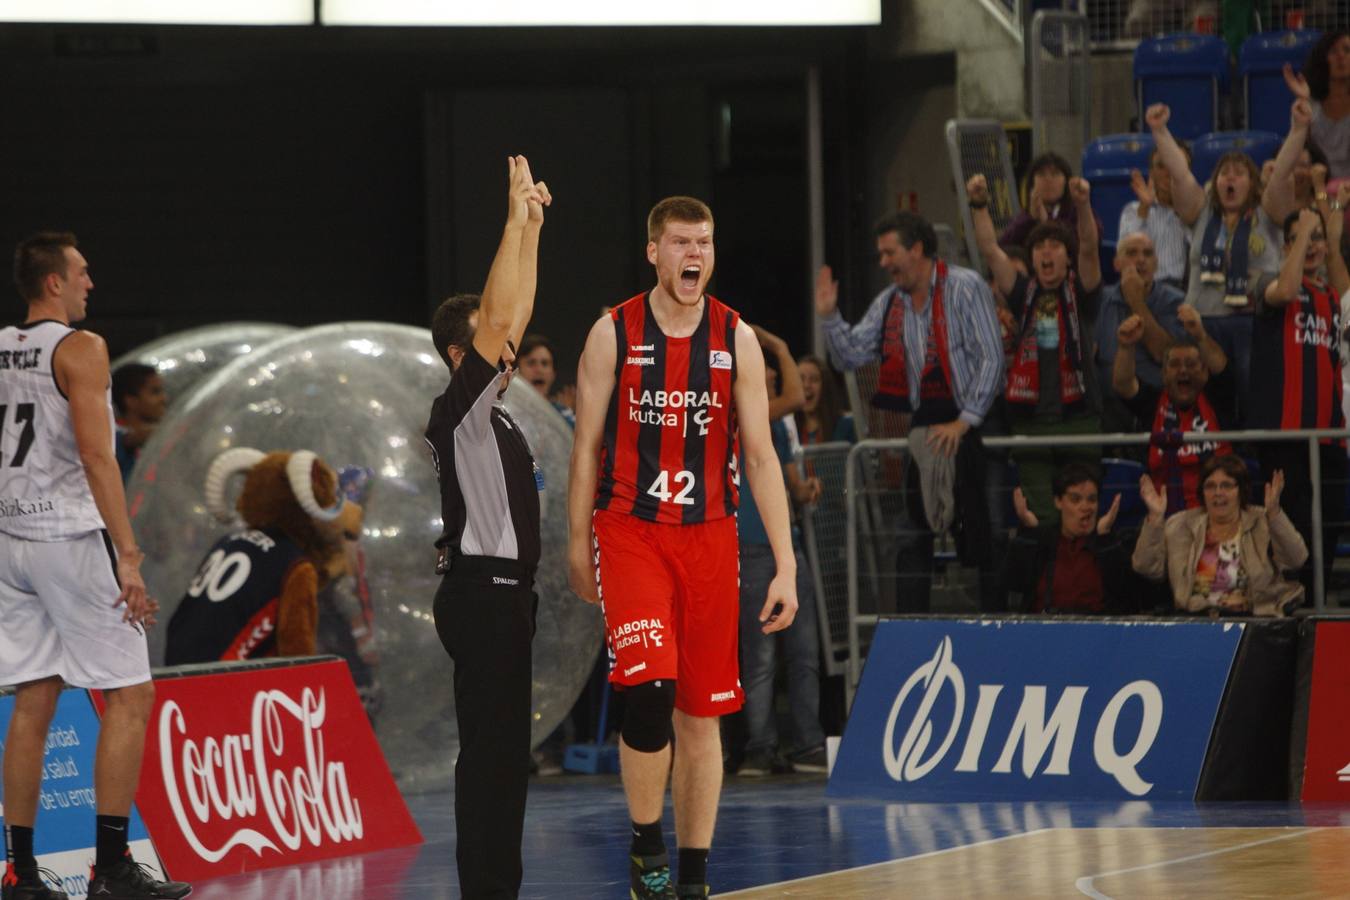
(649, 877)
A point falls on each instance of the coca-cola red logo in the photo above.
(274, 779)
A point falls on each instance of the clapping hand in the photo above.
(1274, 487)
(1143, 188)
(1153, 499)
(1108, 519)
(827, 292)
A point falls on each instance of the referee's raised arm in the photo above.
(508, 296)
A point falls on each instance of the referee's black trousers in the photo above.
(485, 613)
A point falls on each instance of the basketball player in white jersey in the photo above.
(73, 605)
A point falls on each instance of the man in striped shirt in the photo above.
(1152, 214)
(936, 334)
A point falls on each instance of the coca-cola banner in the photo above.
(266, 767)
(1326, 766)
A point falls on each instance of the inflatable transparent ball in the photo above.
(185, 358)
(360, 393)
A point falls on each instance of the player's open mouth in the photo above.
(689, 276)
(537, 382)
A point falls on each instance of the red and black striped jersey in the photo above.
(1296, 350)
(670, 446)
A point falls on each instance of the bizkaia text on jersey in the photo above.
(13, 508)
(655, 408)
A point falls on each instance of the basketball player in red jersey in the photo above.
(667, 384)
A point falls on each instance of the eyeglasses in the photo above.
(1220, 486)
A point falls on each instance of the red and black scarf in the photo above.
(893, 379)
(1024, 377)
(1174, 464)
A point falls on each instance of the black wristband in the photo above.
(981, 205)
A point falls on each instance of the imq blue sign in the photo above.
(1034, 710)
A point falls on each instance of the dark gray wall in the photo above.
(312, 175)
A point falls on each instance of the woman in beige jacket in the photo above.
(1225, 557)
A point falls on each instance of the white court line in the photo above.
(889, 862)
(1084, 884)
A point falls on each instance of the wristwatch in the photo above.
(1320, 196)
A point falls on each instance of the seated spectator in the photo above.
(1152, 214)
(1325, 84)
(800, 644)
(1235, 234)
(1197, 386)
(1226, 558)
(139, 399)
(821, 418)
(1082, 565)
(1296, 347)
(1138, 295)
(1052, 385)
(1048, 200)
(534, 361)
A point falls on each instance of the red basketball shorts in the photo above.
(670, 597)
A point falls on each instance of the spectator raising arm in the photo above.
(850, 347)
(1134, 290)
(1285, 289)
(1089, 247)
(791, 397)
(1005, 274)
(1124, 381)
(1211, 354)
(1188, 195)
(1278, 198)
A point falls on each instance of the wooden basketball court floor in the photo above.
(782, 837)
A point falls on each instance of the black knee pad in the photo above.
(647, 709)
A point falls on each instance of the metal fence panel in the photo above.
(1061, 102)
(980, 147)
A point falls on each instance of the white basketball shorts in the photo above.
(57, 615)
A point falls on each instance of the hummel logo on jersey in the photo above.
(642, 348)
(719, 359)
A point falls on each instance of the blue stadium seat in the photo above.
(1266, 100)
(1107, 162)
(1120, 478)
(1206, 150)
(1188, 72)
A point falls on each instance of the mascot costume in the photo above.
(256, 592)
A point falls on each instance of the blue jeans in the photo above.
(801, 651)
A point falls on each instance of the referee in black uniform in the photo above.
(488, 552)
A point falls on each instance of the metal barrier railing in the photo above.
(855, 474)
